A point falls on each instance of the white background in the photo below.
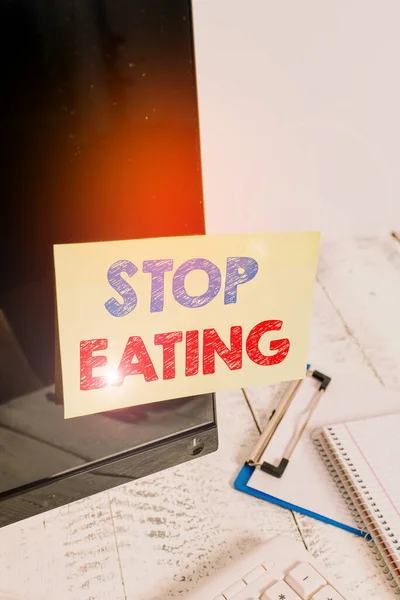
(299, 114)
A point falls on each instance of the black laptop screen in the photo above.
(99, 138)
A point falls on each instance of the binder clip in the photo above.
(277, 416)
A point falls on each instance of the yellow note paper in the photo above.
(147, 320)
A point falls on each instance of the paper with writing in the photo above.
(147, 320)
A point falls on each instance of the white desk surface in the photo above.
(154, 539)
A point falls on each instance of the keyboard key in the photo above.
(268, 564)
(280, 591)
(257, 587)
(305, 580)
(327, 593)
(234, 589)
(254, 574)
(219, 597)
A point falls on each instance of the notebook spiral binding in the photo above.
(360, 514)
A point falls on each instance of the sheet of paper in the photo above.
(365, 452)
(306, 482)
(148, 320)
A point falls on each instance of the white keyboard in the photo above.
(281, 569)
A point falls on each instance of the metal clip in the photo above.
(277, 416)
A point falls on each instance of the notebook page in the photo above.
(306, 483)
(376, 443)
(367, 451)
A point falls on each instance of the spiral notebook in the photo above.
(363, 458)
